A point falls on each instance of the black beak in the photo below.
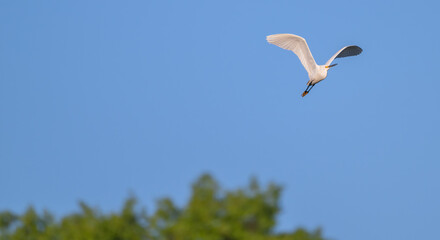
(332, 65)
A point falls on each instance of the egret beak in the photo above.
(331, 65)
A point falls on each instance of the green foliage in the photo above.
(210, 214)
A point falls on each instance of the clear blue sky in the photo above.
(100, 98)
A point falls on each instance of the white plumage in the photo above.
(299, 46)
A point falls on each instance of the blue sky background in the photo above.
(100, 98)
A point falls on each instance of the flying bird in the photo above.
(299, 46)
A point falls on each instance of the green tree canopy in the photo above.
(210, 214)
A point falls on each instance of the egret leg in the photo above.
(309, 87)
(306, 91)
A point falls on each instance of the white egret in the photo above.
(299, 46)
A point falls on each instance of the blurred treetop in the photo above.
(210, 214)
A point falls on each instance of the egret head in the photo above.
(330, 66)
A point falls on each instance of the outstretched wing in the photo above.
(345, 52)
(296, 44)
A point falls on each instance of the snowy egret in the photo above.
(299, 46)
